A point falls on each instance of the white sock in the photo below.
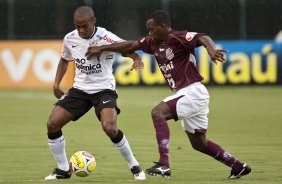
(57, 147)
(125, 151)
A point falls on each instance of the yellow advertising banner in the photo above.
(31, 64)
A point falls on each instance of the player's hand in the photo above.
(93, 50)
(138, 65)
(58, 92)
(217, 55)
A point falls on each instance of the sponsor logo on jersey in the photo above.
(165, 67)
(190, 35)
(142, 40)
(106, 38)
(110, 56)
(87, 68)
(98, 36)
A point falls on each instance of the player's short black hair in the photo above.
(160, 17)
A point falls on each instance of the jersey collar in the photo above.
(94, 32)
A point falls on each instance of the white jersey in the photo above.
(91, 76)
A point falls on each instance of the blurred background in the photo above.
(222, 19)
(31, 34)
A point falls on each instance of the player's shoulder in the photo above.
(106, 36)
(178, 34)
(146, 39)
(71, 35)
(101, 32)
(187, 35)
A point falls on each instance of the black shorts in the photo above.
(78, 102)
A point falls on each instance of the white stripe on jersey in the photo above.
(91, 76)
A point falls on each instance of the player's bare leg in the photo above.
(58, 118)
(108, 121)
(160, 114)
(201, 144)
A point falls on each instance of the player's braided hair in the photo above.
(160, 17)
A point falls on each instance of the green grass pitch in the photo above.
(246, 121)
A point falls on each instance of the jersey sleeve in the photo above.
(66, 54)
(145, 44)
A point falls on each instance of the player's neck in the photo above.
(166, 36)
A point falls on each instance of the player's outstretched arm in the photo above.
(137, 63)
(215, 54)
(122, 47)
(61, 70)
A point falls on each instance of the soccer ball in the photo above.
(82, 163)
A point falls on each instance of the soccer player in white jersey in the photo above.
(94, 86)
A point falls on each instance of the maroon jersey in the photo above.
(175, 57)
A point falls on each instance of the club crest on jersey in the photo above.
(169, 54)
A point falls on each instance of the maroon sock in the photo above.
(223, 156)
(162, 135)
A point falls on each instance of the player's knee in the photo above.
(52, 126)
(156, 114)
(199, 147)
(110, 129)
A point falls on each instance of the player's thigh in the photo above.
(108, 116)
(59, 117)
(171, 102)
(162, 110)
(107, 106)
(76, 103)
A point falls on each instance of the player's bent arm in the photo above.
(207, 42)
(216, 55)
(61, 70)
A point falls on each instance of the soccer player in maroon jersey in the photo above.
(174, 52)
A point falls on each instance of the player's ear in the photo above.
(94, 20)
